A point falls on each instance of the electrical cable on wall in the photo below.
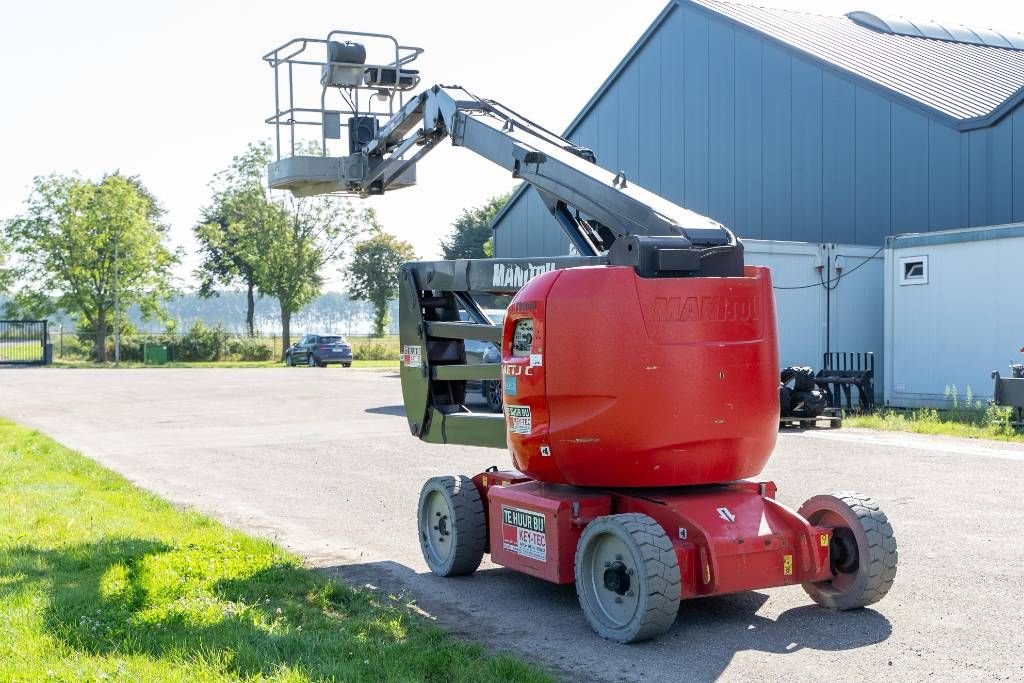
(836, 279)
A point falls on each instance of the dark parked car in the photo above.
(485, 352)
(319, 350)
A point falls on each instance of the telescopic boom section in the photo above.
(595, 207)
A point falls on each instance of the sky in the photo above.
(170, 91)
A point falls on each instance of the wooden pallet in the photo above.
(829, 420)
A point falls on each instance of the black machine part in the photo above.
(804, 399)
(346, 52)
(361, 131)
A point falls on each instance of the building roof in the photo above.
(963, 77)
(970, 77)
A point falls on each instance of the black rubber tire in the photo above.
(492, 395)
(310, 361)
(656, 568)
(468, 525)
(346, 365)
(289, 361)
(876, 550)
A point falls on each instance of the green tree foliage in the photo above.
(471, 232)
(65, 244)
(373, 273)
(229, 228)
(271, 241)
(300, 237)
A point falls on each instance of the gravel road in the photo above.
(322, 462)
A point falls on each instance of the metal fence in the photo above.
(23, 342)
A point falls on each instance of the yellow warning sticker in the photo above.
(787, 564)
(823, 540)
(483, 480)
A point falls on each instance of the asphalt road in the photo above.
(321, 461)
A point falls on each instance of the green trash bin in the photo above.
(154, 354)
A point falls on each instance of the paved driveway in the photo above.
(321, 461)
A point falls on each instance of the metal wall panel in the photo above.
(856, 302)
(967, 321)
(727, 122)
(812, 320)
(1016, 122)
(800, 313)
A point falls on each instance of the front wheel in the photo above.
(310, 361)
(289, 361)
(862, 550)
(627, 577)
(452, 525)
(346, 365)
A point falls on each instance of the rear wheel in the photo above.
(346, 365)
(862, 550)
(452, 525)
(627, 577)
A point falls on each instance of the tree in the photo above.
(229, 227)
(373, 273)
(299, 238)
(78, 239)
(270, 241)
(472, 230)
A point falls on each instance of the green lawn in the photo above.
(102, 581)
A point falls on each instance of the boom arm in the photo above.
(596, 208)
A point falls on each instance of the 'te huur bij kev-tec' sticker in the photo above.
(523, 533)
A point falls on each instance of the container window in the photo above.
(914, 270)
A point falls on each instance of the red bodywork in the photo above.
(651, 395)
(727, 538)
(642, 382)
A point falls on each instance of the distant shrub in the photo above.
(374, 352)
(202, 343)
(249, 348)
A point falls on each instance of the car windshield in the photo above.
(495, 315)
(332, 340)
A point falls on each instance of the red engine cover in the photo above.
(626, 381)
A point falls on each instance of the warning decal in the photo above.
(412, 356)
(523, 533)
(520, 421)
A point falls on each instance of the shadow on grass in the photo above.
(135, 596)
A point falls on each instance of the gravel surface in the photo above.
(322, 462)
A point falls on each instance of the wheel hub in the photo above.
(616, 578)
(843, 553)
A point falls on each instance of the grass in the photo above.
(80, 363)
(102, 581)
(968, 419)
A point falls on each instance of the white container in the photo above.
(954, 312)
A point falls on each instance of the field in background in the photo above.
(207, 344)
(102, 581)
(80, 363)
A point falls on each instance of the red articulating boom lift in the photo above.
(640, 379)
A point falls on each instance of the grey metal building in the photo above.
(792, 126)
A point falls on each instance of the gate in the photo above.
(23, 342)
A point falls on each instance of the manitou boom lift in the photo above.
(639, 379)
